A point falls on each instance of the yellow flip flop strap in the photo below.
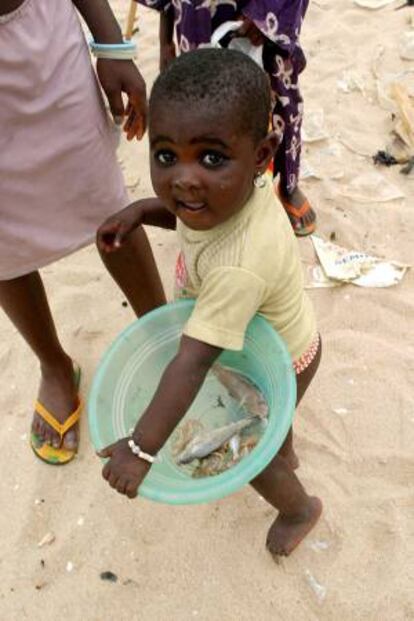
(55, 424)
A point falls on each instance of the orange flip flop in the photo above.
(46, 452)
(298, 213)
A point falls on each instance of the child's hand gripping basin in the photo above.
(128, 376)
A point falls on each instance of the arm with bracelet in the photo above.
(210, 329)
(116, 70)
(131, 458)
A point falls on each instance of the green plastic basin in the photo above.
(129, 374)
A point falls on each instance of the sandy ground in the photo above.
(209, 562)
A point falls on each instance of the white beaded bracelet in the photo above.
(136, 450)
(114, 51)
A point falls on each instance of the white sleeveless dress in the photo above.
(59, 178)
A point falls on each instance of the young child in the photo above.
(210, 146)
(276, 24)
(59, 180)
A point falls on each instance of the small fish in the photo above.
(242, 391)
(206, 442)
(183, 435)
(210, 466)
(224, 458)
(234, 444)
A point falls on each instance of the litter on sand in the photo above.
(407, 45)
(357, 268)
(371, 187)
(340, 411)
(374, 5)
(404, 121)
(317, 279)
(323, 163)
(384, 83)
(313, 129)
(350, 82)
(307, 171)
(318, 545)
(318, 588)
(109, 576)
(384, 158)
(46, 540)
(401, 149)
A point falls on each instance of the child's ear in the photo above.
(265, 151)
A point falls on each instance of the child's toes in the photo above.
(41, 430)
(47, 434)
(70, 440)
(56, 441)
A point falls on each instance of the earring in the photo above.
(259, 180)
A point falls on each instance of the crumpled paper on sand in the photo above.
(341, 266)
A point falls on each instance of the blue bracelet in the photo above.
(114, 51)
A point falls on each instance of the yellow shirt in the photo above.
(247, 265)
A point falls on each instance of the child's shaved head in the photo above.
(220, 81)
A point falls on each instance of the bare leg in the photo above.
(288, 453)
(298, 512)
(134, 270)
(24, 301)
(278, 484)
(304, 379)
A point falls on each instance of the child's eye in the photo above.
(165, 157)
(213, 159)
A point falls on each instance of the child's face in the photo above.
(203, 166)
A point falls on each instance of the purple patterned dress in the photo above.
(280, 21)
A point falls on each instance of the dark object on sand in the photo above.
(109, 576)
(124, 304)
(406, 3)
(332, 236)
(40, 586)
(405, 170)
(384, 158)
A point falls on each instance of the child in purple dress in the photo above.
(276, 24)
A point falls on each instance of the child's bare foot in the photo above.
(58, 394)
(287, 532)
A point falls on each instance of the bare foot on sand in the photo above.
(287, 532)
